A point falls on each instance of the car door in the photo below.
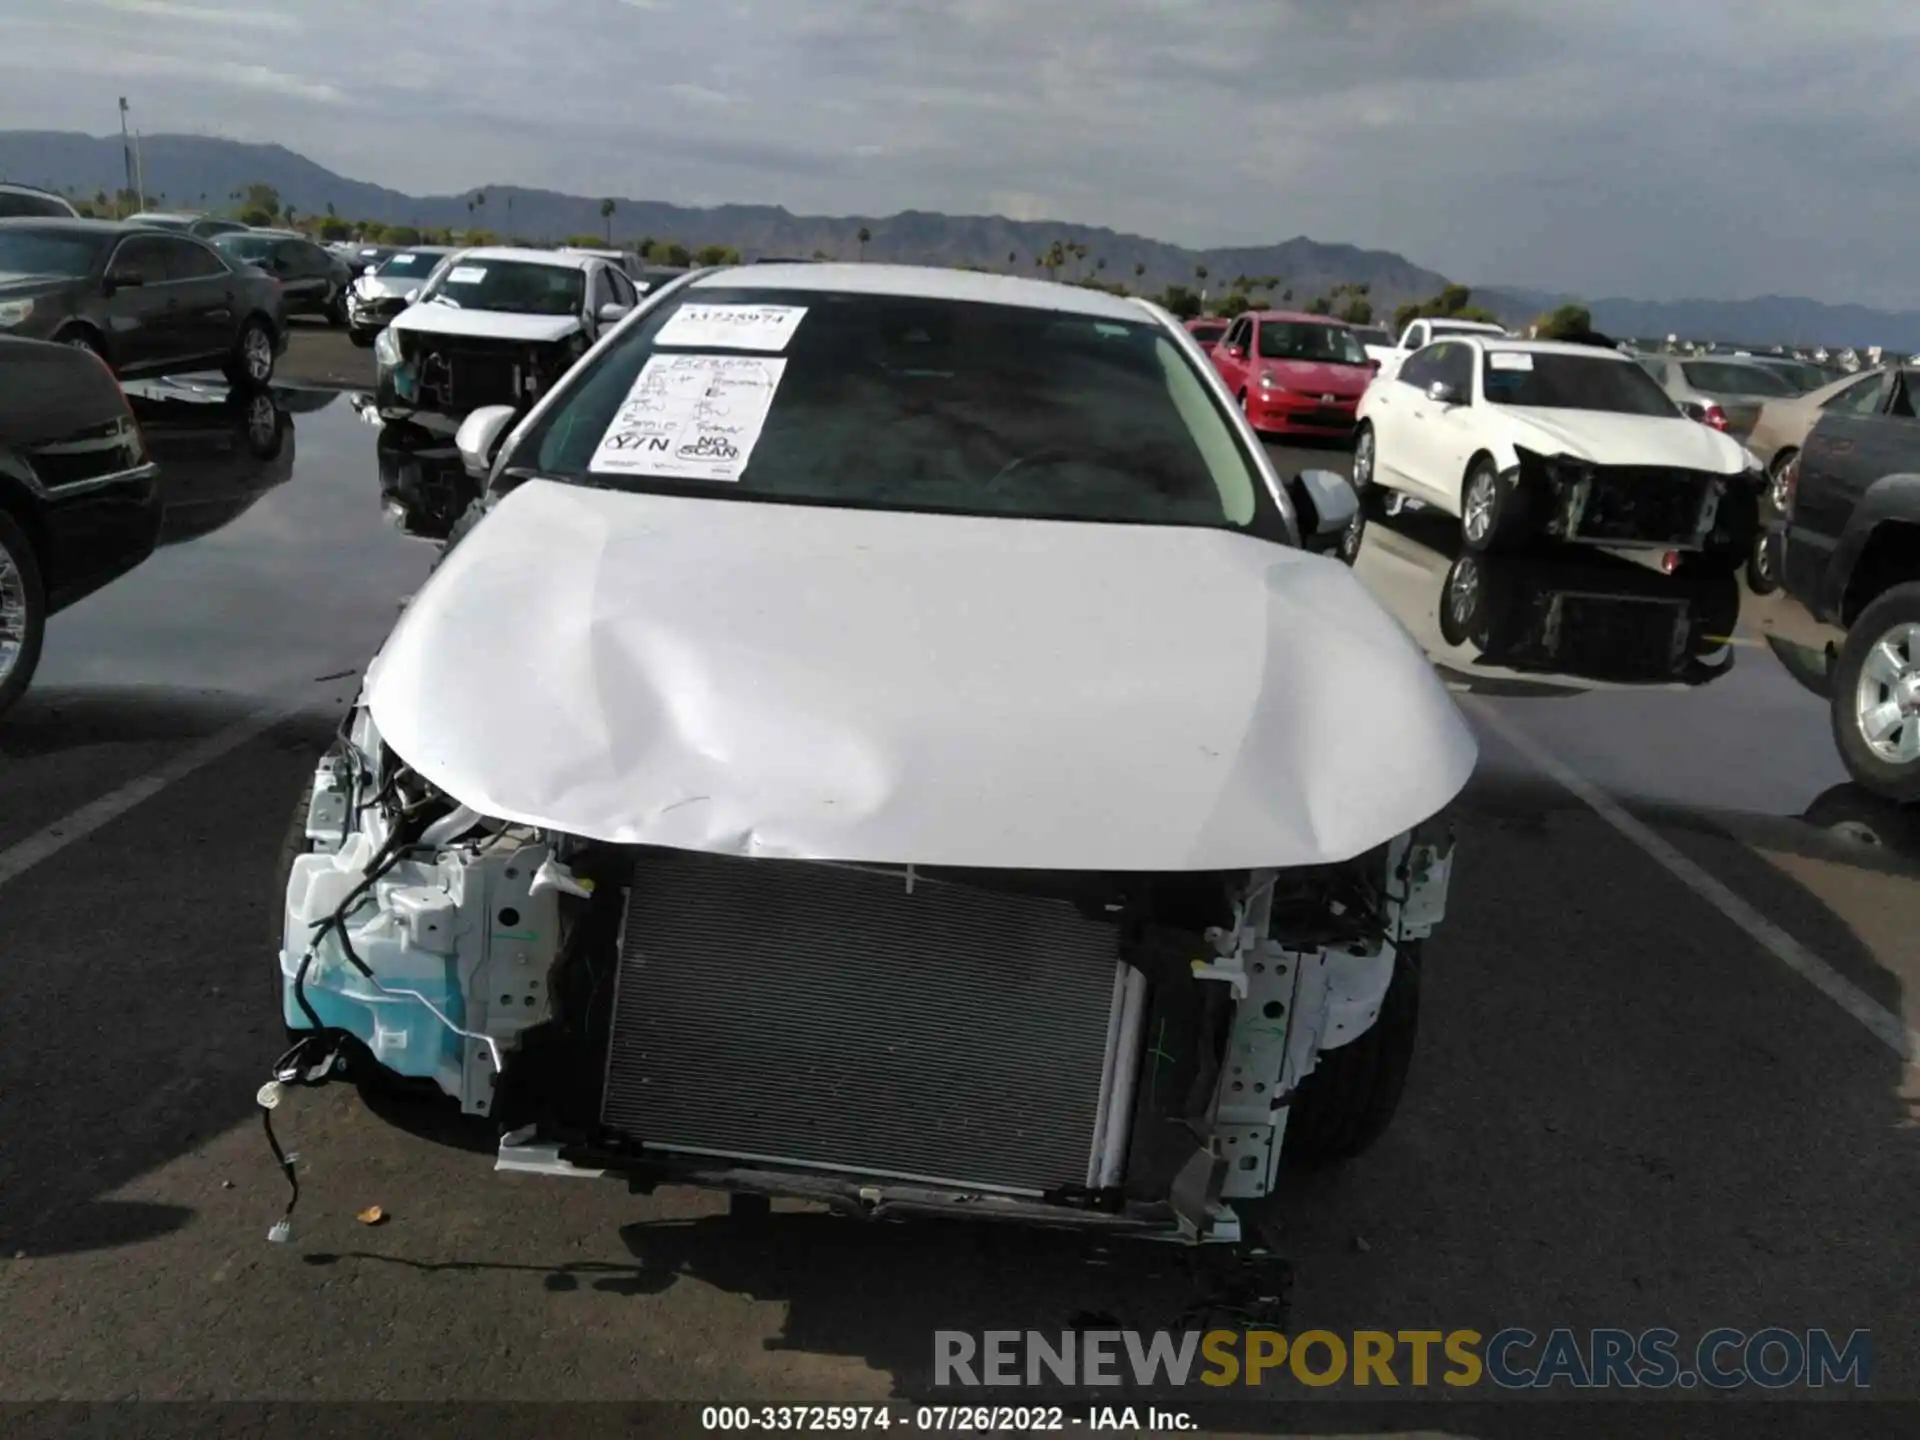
(600, 292)
(1449, 433)
(1428, 424)
(143, 314)
(1230, 355)
(1396, 409)
(303, 280)
(203, 292)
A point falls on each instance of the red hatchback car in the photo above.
(1294, 373)
(1207, 331)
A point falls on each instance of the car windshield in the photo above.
(1800, 376)
(1441, 327)
(1304, 340)
(1720, 377)
(25, 250)
(164, 222)
(907, 403)
(1372, 335)
(515, 287)
(246, 247)
(1572, 382)
(411, 263)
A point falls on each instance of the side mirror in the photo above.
(412, 295)
(1441, 393)
(1238, 352)
(480, 434)
(368, 272)
(1327, 505)
(613, 311)
(1373, 365)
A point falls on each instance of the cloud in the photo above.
(1641, 147)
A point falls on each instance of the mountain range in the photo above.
(195, 172)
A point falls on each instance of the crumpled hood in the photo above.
(799, 681)
(386, 287)
(1313, 377)
(435, 319)
(1625, 439)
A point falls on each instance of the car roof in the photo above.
(564, 259)
(1301, 315)
(1539, 347)
(166, 215)
(928, 282)
(1474, 327)
(75, 225)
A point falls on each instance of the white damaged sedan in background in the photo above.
(884, 741)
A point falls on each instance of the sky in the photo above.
(1658, 149)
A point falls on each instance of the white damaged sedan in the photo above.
(882, 739)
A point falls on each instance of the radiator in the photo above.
(823, 1016)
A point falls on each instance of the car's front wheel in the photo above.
(1779, 481)
(336, 309)
(1763, 565)
(363, 338)
(252, 360)
(1363, 458)
(1350, 1097)
(23, 611)
(1876, 696)
(1487, 510)
(81, 338)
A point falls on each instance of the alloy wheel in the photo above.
(13, 613)
(1479, 507)
(257, 352)
(1463, 592)
(1886, 702)
(1363, 460)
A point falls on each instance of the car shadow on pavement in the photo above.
(59, 718)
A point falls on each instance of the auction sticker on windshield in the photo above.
(466, 274)
(732, 327)
(691, 417)
(1509, 360)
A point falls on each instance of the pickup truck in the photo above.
(1851, 555)
(1424, 332)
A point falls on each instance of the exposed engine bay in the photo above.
(1130, 1050)
(1635, 505)
(456, 374)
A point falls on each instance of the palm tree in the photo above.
(1139, 269)
(863, 237)
(1200, 274)
(607, 207)
(1013, 258)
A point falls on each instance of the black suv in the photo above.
(148, 302)
(1851, 556)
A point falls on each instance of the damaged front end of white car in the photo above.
(1124, 1049)
(1022, 865)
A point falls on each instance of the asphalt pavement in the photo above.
(1657, 1081)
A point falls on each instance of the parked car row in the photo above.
(145, 301)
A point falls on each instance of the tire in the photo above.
(1892, 622)
(1353, 538)
(1365, 456)
(251, 364)
(1777, 480)
(82, 338)
(1497, 531)
(1349, 1099)
(336, 311)
(363, 338)
(23, 612)
(1248, 414)
(1763, 565)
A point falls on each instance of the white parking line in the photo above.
(49, 841)
(1888, 1028)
